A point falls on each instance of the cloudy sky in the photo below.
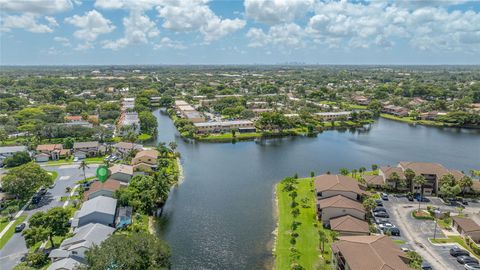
(239, 32)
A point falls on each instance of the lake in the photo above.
(221, 216)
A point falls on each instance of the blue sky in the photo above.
(57, 32)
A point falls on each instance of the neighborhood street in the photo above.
(68, 175)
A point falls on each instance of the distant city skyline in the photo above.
(197, 32)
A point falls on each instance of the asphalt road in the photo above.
(68, 175)
(416, 232)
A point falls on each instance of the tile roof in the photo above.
(110, 184)
(466, 224)
(348, 223)
(49, 147)
(121, 168)
(429, 168)
(340, 201)
(388, 171)
(376, 252)
(147, 153)
(337, 183)
(374, 180)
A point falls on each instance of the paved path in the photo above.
(68, 175)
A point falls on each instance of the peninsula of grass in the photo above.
(298, 232)
(11, 231)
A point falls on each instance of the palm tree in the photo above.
(374, 167)
(409, 175)
(420, 180)
(131, 137)
(395, 178)
(323, 239)
(465, 182)
(173, 146)
(83, 165)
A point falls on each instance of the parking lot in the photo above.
(68, 175)
(416, 232)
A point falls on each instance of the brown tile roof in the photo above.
(388, 170)
(476, 185)
(49, 147)
(374, 180)
(466, 224)
(147, 153)
(110, 184)
(429, 168)
(348, 223)
(337, 183)
(121, 168)
(374, 252)
(340, 201)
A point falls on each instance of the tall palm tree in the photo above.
(83, 165)
(420, 180)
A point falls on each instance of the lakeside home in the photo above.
(225, 126)
(395, 110)
(145, 160)
(431, 171)
(185, 110)
(375, 252)
(129, 121)
(333, 116)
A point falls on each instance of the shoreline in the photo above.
(275, 231)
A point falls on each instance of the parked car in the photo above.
(392, 231)
(75, 159)
(381, 214)
(379, 202)
(466, 259)
(380, 220)
(472, 266)
(422, 199)
(379, 209)
(410, 197)
(20, 227)
(384, 196)
(426, 266)
(42, 191)
(36, 199)
(386, 226)
(404, 249)
(456, 251)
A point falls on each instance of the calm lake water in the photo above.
(221, 216)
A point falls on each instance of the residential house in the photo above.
(53, 151)
(432, 116)
(395, 110)
(106, 189)
(42, 157)
(349, 225)
(129, 121)
(126, 147)
(329, 185)
(361, 100)
(128, 104)
(121, 172)
(8, 151)
(66, 264)
(431, 171)
(100, 209)
(338, 206)
(185, 110)
(145, 160)
(225, 126)
(84, 238)
(466, 227)
(375, 252)
(87, 149)
(333, 116)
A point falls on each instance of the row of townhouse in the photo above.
(185, 110)
(241, 126)
(339, 208)
(432, 172)
(395, 110)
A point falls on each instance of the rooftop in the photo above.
(100, 204)
(337, 182)
(340, 201)
(348, 223)
(466, 224)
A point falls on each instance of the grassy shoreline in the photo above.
(409, 120)
(300, 246)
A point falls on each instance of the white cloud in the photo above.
(36, 6)
(277, 11)
(51, 21)
(63, 40)
(138, 29)
(91, 25)
(169, 43)
(195, 15)
(282, 35)
(25, 21)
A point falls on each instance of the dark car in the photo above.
(410, 197)
(384, 196)
(381, 214)
(422, 199)
(379, 202)
(456, 251)
(472, 266)
(20, 227)
(36, 199)
(379, 209)
(466, 259)
(426, 266)
(42, 191)
(392, 231)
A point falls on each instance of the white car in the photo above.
(386, 226)
(75, 159)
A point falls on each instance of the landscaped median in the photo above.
(11, 231)
(298, 242)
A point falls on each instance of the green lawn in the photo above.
(4, 223)
(454, 239)
(409, 120)
(144, 137)
(229, 137)
(400, 242)
(11, 231)
(307, 242)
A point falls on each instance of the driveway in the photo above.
(416, 233)
(68, 175)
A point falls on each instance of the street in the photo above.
(68, 175)
(416, 232)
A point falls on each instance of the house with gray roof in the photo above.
(85, 237)
(100, 209)
(8, 151)
(65, 264)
